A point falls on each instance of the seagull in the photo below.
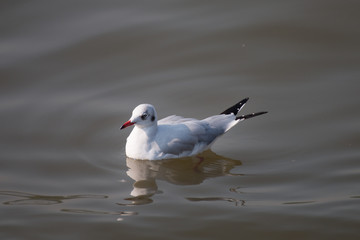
(175, 136)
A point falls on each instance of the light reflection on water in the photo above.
(34, 199)
(184, 171)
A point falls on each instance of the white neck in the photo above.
(148, 132)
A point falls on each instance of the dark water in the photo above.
(72, 71)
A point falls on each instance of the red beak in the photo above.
(127, 124)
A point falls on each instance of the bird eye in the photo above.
(144, 116)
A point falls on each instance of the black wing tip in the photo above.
(236, 108)
(251, 115)
(242, 102)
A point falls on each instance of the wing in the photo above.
(179, 135)
(175, 138)
(173, 119)
(222, 122)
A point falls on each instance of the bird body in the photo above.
(175, 136)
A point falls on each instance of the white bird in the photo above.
(175, 136)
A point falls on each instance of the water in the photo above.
(71, 73)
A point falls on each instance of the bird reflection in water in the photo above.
(184, 171)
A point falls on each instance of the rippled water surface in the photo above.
(72, 71)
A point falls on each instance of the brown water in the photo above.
(72, 71)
